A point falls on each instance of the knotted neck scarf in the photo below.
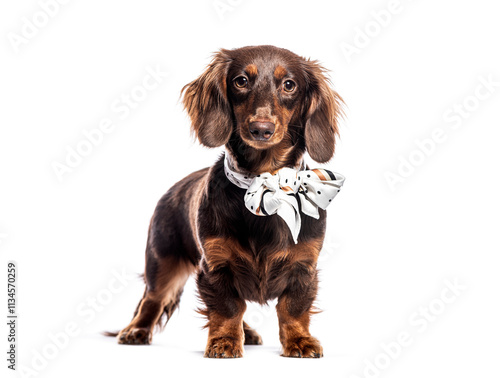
(280, 193)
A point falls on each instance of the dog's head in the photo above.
(266, 98)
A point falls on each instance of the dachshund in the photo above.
(267, 106)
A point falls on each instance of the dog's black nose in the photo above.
(262, 130)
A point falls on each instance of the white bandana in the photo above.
(269, 194)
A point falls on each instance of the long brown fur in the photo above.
(201, 224)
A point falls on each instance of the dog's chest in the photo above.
(261, 275)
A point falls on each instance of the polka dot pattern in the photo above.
(280, 193)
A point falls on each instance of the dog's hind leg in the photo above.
(165, 279)
(251, 335)
(171, 256)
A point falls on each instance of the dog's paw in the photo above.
(303, 347)
(135, 336)
(252, 337)
(224, 347)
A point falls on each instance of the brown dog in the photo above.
(267, 106)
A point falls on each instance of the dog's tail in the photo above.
(110, 334)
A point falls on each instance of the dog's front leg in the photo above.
(224, 308)
(294, 306)
(225, 334)
(294, 312)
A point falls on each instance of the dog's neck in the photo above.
(246, 159)
(244, 179)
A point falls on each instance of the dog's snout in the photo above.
(262, 130)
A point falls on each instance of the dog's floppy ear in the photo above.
(205, 100)
(323, 108)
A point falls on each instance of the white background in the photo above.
(388, 252)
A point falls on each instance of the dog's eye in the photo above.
(289, 86)
(241, 82)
